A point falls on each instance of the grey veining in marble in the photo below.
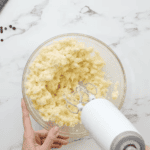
(122, 25)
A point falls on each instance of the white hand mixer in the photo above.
(107, 125)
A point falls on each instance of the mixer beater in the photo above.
(81, 87)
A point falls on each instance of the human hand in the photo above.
(40, 140)
(147, 147)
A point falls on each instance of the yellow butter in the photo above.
(56, 71)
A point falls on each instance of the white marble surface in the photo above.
(123, 25)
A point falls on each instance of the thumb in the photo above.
(52, 134)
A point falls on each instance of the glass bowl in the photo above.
(113, 71)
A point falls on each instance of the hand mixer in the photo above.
(107, 125)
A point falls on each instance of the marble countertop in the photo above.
(123, 25)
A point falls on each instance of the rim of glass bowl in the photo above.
(31, 111)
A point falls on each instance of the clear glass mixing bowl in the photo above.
(113, 69)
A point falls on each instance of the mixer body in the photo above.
(109, 127)
(106, 124)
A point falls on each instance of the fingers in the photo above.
(38, 140)
(52, 134)
(26, 119)
(147, 147)
(63, 137)
(57, 141)
(60, 141)
(56, 146)
(42, 133)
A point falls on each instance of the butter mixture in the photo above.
(56, 71)
(115, 93)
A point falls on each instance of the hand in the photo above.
(147, 147)
(40, 140)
